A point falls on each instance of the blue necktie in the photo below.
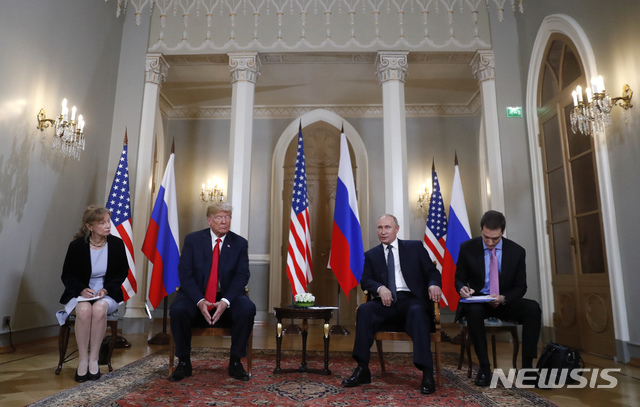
(391, 272)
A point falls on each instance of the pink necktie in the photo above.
(494, 277)
(212, 285)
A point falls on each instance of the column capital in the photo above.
(156, 69)
(391, 65)
(245, 66)
(483, 65)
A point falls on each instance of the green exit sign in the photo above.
(514, 111)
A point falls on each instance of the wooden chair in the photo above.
(492, 326)
(213, 331)
(388, 333)
(65, 332)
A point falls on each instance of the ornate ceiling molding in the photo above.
(367, 58)
(280, 112)
(198, 26)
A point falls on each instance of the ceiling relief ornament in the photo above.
(196, 26)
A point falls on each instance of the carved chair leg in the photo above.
(380, 355)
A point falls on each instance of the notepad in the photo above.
(478, 298)
(81, 298)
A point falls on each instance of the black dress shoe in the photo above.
(483, 378)
(83, 378)
(91, 376)
(428, 385)
(182, 370)
(237, 371)
(362, 375)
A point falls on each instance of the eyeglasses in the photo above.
(218, 218)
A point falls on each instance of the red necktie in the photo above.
(494, 278)
(212, 285)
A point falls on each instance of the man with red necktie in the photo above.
(494, 265)
(213, 271)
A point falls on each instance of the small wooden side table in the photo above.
(304, 314)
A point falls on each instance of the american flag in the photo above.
(119, 203)
(299, 269)
(435, 233)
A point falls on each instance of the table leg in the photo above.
(305, 332)
(326, 348)
(278, 345)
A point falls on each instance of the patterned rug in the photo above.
(144, 384)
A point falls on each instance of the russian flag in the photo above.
(457, 232)
(161, 241)
(347, 252)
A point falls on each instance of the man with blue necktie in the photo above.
(404, 284)
(495, 266)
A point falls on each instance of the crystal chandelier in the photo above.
(68, 136)
(593, 116)
(211, 192)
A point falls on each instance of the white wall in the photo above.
(50, 50)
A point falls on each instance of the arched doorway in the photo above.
(583, 315)
(321, 130)
(581, 276)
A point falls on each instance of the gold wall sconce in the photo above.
(212, 192)
(68, 133)
(592, 115)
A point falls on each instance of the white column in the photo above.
(483, 67)
(245, 67)
(156, 73)
(391, 69)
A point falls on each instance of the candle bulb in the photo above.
(73, 113)
(588, 90)
(65, 110)
(579, 92)
(80, 123)
(575, 98)
(600, 84)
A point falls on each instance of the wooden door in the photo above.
(583, 316)
(322, 157)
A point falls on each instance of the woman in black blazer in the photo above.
(94, 268)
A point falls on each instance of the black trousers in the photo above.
(409, 313)
(185, 314)
(526, 312)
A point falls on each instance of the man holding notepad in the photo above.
(491, 265)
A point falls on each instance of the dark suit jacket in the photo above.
(76, 271)
(470, 269)
(417, 269)
(194, 267)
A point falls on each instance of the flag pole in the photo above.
(338, 329)
(161, 338)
